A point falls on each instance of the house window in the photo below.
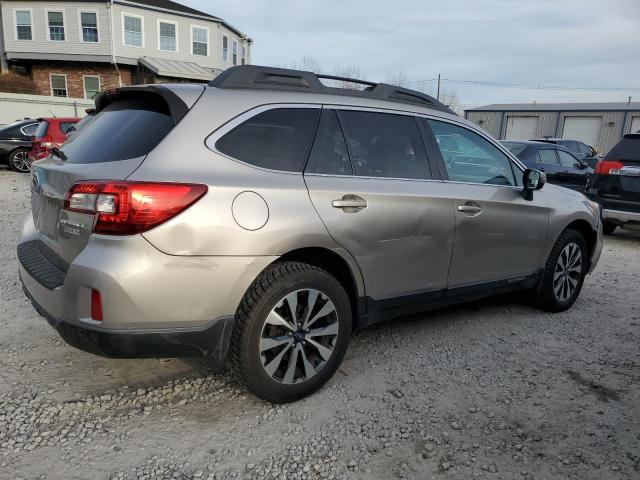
(168, 36)
(91, 86)
(23, 25)
(89, 21)
(132, 31)
(56, 26)
(200, 41)
(235, 52)
(58, 85)
(243, 55)
(225, 48)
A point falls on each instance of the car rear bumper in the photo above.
(153, 304)
(620, 216)
(211, 341)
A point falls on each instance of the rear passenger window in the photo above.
(278, 139)
(547, 156)
(329, 154)
(384, 145)
(470, 158)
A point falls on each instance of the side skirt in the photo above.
(388, 308)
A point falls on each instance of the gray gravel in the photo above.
(490, 390)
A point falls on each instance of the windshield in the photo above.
(127, 128)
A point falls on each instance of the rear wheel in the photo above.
(564, 273)
(19, 160)
(608, 228)
(292, 331)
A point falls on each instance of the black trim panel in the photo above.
(381, 310)
(42, 263)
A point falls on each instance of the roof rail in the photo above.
(272, 78)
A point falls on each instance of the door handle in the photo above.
(469, 209)
(350, 203)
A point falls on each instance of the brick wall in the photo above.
(74, 71)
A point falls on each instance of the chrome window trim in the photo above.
(25, 126)
(212, 139)
(335, 175)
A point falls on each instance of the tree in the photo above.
(349, 71)
(308, 64)
(399, 79)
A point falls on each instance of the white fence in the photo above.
(16, 106)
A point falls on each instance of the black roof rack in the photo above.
(271, 78)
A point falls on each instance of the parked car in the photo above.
(615, 185)
(580, 149)
(559, 164)
(82, 123)
(264, 217)
(15, 143)
(51, 132)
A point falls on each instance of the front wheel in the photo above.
(292, 331)
(19, 160)
(564, 273)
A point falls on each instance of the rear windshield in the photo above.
(626, 149)
(41, 131)
(127, 128)
(515, 148)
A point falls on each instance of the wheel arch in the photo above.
(588, 233)
(344, 269)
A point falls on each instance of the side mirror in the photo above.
(532, 180)
(583, 165)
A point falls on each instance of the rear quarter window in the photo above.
(278, 139)
(125, 129)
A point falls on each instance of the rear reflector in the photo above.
(608, 167)
(127, 208)
(96, 305)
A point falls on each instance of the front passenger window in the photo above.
(567, 160)
(470, 158)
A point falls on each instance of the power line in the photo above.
(527, 87)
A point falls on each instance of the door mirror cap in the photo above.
(532, 180)
(583, 165)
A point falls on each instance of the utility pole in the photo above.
(629, 101)
(438, 94)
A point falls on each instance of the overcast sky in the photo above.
(566, 43)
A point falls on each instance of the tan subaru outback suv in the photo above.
(263, 217)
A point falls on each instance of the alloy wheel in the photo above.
(21, 161)
(566, 275)
(299, 336)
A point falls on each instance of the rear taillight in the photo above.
(126, 208)
(608, 167)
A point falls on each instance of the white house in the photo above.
(74, 49)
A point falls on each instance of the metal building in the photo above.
(600, 125)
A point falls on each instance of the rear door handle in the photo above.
(350, 203)
(469, 209)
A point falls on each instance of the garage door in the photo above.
(635, 125)
(585, 129)
(521, 128)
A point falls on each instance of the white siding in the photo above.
(73, 33)
(14, 106)
(73, 44)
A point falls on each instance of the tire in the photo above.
(262, 346)
(608, 228)
(551, 295)
(18, 160)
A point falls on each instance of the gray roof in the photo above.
(177, 69)
(557, 107)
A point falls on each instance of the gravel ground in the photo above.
(493, 390)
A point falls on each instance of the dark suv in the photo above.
(560, 165)
(580, 149)
(615, 185)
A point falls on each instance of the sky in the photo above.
(569, 45)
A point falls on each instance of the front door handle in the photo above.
(470, 209)
(350, 203)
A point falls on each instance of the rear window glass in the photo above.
(384, 145)
(515, 148)
(41, 131)
(125, 129)
(65, 126)
(628, 148)
(277, 139)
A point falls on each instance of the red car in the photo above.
(51, 132)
